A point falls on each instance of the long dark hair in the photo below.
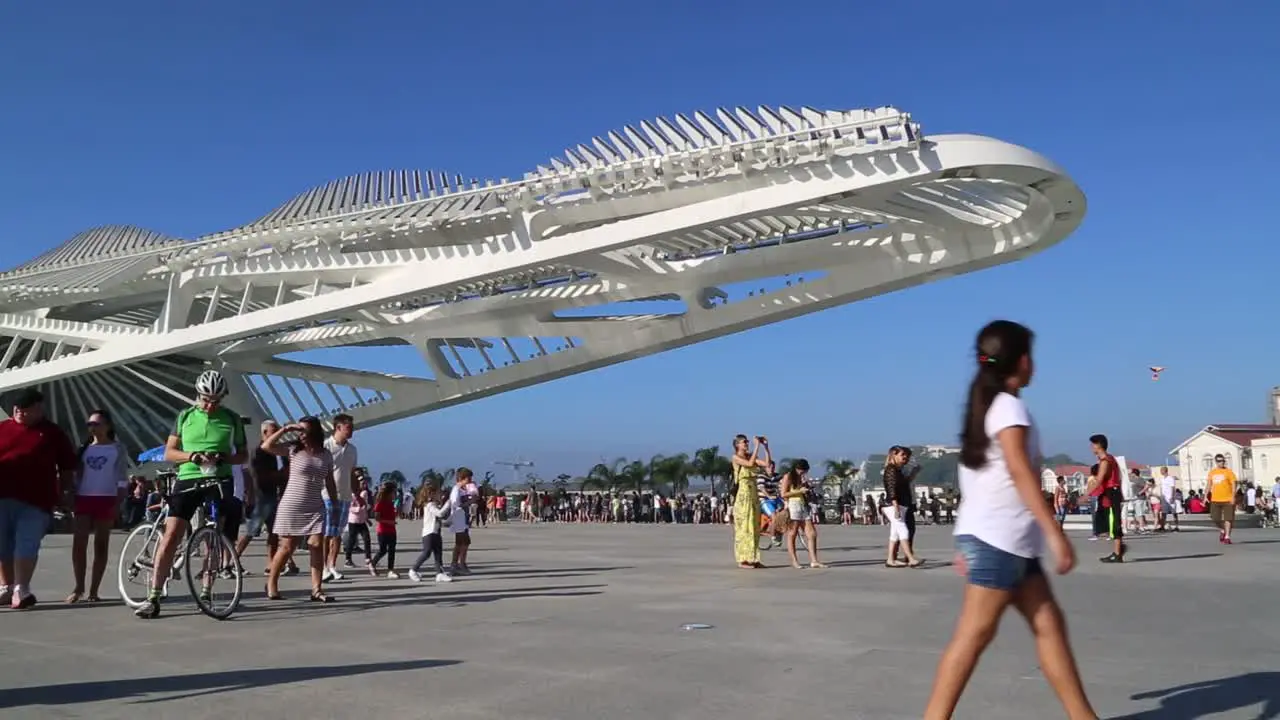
(1000, 347)
(313, 439)
(111, 430)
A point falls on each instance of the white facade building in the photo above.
(1237, 444)
(1266, 461)
(651, 237)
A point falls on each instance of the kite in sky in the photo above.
(1155, 372)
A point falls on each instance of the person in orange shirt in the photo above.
(1222, 498)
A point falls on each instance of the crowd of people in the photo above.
(308, 490)
(303, 489)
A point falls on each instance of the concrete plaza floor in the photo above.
(583, 622)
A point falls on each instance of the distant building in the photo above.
(1273, 405)
(937, 451)
(1238, 444)
(1266, 461)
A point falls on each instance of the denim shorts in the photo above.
(22, 527)
(335, 517)
(264, 516)
(993, 568)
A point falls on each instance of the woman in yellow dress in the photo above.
(746, 503)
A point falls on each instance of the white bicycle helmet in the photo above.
(211, 383)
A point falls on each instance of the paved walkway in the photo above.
(584, 623)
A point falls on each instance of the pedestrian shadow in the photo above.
(856, 563)
(528, 572)
(296, 602)
(1211, 697)
(1258, 542)
(142, 690)
(1163, 558)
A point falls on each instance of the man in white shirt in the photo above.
(345, 460)
(458, 500)
(1167, 507)
(1251, 500)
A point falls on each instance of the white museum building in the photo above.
(1252, 451)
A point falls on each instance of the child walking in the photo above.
(458, 500)
(358, 521)
(1002, 527)
(434, 510)
(384, 512)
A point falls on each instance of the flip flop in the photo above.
(919, 562)
(895, 565)
(819, 565)
(74, 598)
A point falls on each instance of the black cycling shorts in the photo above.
(183, 505)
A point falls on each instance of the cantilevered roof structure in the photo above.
(653, 236)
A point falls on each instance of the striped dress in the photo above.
(301, 509)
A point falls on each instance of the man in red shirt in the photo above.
(1110, 497)
(36, 461)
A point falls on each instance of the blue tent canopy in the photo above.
(155, 454)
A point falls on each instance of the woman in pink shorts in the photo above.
(100, 485)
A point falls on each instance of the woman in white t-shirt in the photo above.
(101, 481)
(1001, 527)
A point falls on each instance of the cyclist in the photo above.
(206, 442)
(770, 502)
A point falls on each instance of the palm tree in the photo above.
(393, 476)
(670, 471)
(843, 469)
(710, 465)
(607, 476)
(561, 483)
(635, 475)
(430, 478)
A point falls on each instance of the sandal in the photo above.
(74, 598)
(917, 563)
(818, 565)
(319, 597)
(895, 564)
(93, 599)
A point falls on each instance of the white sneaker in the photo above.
(443, 577)
(393, 575)
(334, 574)
(327, 575)
(414, 576)
(372, 570)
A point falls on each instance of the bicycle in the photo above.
(205, 554)
(771, 537)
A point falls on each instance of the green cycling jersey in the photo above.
(219, 431)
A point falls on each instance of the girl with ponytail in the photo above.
(1001, 528)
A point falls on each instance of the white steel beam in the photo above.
(689, 207)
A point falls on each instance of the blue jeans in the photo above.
(993, 568)
(22, 528)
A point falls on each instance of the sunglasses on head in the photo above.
(93, 423)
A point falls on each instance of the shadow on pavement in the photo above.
(1162, 558)
(296, 601)
(1211, 697)
(195, 685)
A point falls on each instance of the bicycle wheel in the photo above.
(136, 565)
(208, 553)
(765, 541)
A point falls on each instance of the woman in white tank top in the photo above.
(101, 480)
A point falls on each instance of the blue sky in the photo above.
(190, 119)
